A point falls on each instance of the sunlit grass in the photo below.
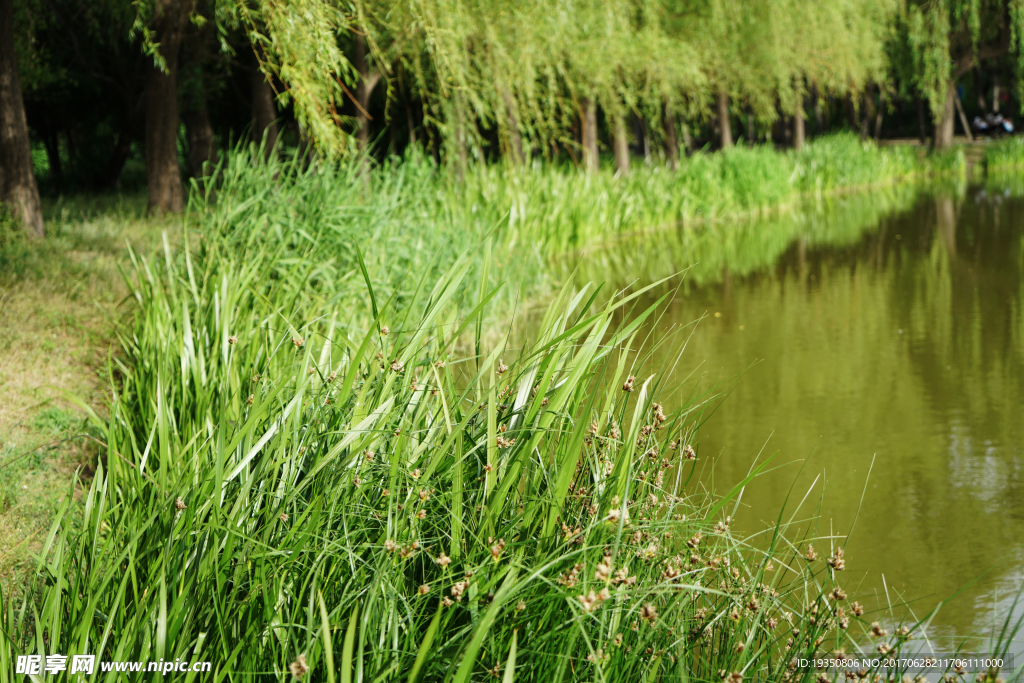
(320, 448)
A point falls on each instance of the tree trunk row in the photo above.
(18, 189)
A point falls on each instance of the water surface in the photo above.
(885, 328)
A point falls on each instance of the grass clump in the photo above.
(1005, 154)
(296, 478)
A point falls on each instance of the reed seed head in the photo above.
(299, 668)
(604, 569)
(232, 340)
(458, 589)
(385, 330)
(298, 342)
(179, 504)
(649, 613)
(424, 589)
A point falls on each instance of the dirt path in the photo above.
(58, 300)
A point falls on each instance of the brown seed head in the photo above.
(299, 668)
(649, 613)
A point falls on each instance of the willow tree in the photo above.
(739, 55)
(831, 48)
(948, 38)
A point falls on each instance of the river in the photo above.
(883, 328)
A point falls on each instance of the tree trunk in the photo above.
(687, 138)
(18, 187)
(944, 120)
(921, 125)
(115, 163)
(963, 116)
(851, 112)
(163, 175)
(621, 146)
(799, 132)
(640, 130)
(671, 141)
(865, 114)
(723, 120)
(201, 147)
(367, 82)
(194, 113)
(879, 113)
(819, 116)
(515, 138)
(995, 94)
(588, 119)
(264, 111)
(750, 129)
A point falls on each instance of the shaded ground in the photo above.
(59, 299)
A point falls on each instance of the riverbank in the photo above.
(252, 399)
(62, 296)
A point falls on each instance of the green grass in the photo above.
(315, 400)
(411, 218)
(291, 450)
(249, 520)
(1005, 155)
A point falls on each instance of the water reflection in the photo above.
(887, 326)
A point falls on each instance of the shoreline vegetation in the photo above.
(318, 455)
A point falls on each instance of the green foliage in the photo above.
(1005, 155)
(946, 39)
(298, 463)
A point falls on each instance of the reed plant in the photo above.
(1005, 155)
(320, 464)
(409, 216)
(303, 484)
